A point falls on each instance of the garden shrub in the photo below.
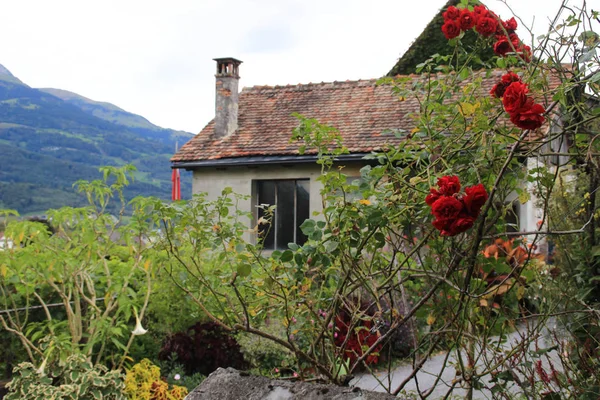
(173, 372)
(266, 356)
(77, 379)
(203, 348)
(355, 332)
(143, 382)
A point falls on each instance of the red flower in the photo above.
(474, 198)
(524, 52)
(466, 20)
(432, 196)
(451, 29)
(529, 118)
(462, 224)
(515, 97)
(506, 44)
(509, 25)
(452, 13)
(500, 87)
(448, 185)
(444, 226)
(480, 12)
(454, 214)
(354, 341)
(486, 26)
(454, 226)
(446, 208)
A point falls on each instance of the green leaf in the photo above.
(308, 226)
(331, 245)
(524, 197)
(244, 270)
(287, 256)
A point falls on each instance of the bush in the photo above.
(266, 356)
(204, 348)
(77, 379)
(143, 382)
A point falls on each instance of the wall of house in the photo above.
(213, 180)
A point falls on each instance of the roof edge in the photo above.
(261, 160)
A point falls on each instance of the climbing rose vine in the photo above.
(455, 213)
(487, 24)
(523, 111)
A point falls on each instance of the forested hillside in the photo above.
(50, 138)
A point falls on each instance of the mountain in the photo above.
(50, 138)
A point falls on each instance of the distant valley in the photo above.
(50, 138)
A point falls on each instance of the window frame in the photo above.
(274, 223)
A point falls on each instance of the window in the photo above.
(291, 198)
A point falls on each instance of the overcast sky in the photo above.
(154, 57)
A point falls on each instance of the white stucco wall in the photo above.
(213, 180)
(240, 179)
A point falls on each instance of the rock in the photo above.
(230, 384)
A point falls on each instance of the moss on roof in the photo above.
(432, 41)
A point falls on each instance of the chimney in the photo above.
(226, 103)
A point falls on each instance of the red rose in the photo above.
(451, 29)
(486, 26)
(432, 196)
(510, 25)
(444, 226)
(474, 198)
(446, 208)
(510, 77)
(448, 185)
(454, 226)
(466, 20)
(515, 97)
(530, 118)
(480, 12)
(524, 52)
(502, 46)
(461, 224)
(452, 13)
(499, 88)
(506, 44)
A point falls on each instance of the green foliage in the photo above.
(174, 373)
(75, 379)
(265, 356)
(81, 281)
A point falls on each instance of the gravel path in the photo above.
(444, 364)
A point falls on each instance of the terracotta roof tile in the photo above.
(360, 110)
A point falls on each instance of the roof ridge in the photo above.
(311, 85)
(353, 83)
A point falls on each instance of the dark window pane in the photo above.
(302, 209)
(266, 195)
(285, 220)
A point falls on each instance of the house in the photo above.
(247, 145)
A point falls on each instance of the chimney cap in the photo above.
(227, 67)
(227, 60)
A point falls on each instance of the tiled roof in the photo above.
(360, 110)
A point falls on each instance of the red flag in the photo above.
(176, 189)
